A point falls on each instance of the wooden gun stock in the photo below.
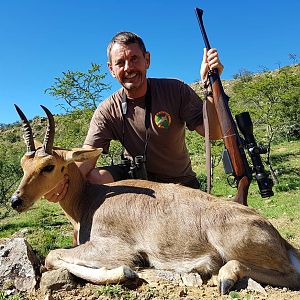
(233, 143)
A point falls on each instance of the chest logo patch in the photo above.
(162, 119)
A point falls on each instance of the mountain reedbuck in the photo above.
(135, 223)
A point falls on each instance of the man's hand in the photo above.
(210, 61)
(59, 191)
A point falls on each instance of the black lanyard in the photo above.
(147, 118)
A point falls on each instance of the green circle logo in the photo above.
(162, 119)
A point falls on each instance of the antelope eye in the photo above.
(48, 168)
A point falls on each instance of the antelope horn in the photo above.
(49, 135)
(28, 136)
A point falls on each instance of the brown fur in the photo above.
(135, 223)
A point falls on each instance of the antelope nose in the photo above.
(16, 201)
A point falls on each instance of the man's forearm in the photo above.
(200, 129)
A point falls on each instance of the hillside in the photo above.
(272, 98)
(47, 228)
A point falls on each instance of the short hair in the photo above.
(126, 38)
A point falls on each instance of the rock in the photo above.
(57, 279)
(255, 286)
(250, 285)
(191, 279)
(19, 265)
(21, 233)
(154, 276)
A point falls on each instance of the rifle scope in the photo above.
(265, 183)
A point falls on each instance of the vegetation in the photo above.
(4, 296)
(272, 99)
(80, 90)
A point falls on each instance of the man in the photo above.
(147, 115)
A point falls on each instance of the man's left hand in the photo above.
(210, 61)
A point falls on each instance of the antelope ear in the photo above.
(81, 154)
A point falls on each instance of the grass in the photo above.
(145, 292)
(47, 227)
(236, 296)
(285, 204)
(4, 296)
(117, 292)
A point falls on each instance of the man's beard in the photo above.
(136, 82)
(129, 86)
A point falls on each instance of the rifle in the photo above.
(234, 157)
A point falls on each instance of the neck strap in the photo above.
(147, 117)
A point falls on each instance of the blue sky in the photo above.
(42, 39)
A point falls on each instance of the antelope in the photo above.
(131, 224)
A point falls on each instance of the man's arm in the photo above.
(210, 61)
(200, 129)
(214, 126)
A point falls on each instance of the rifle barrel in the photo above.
(230, 135)
(199, 14)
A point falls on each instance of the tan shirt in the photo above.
(174, 105)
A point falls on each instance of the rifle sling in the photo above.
(147, 117)
(207, 148)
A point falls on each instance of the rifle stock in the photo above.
(232, 141)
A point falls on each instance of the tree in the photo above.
(80, 90)
(273, 98)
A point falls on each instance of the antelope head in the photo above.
(44, 166)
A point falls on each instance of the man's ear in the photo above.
(81, 154)
(147, 57)
(111, 69)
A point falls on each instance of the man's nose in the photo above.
(128, 65)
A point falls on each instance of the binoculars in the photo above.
(137, 167)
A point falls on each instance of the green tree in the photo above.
(80, 90)
(273, 98)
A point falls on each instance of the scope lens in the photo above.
(265, 185)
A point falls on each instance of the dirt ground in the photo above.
(166, 291)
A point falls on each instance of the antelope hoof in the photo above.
(229, 274)
(129, 273)
(225, 286)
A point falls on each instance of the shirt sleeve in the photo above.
(99, 134)
(191, 110)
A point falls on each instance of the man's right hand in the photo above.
(59, 191)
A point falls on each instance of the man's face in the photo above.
(129, 66)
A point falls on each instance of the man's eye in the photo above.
(48, 168)
(134, 59)
(119, 63)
